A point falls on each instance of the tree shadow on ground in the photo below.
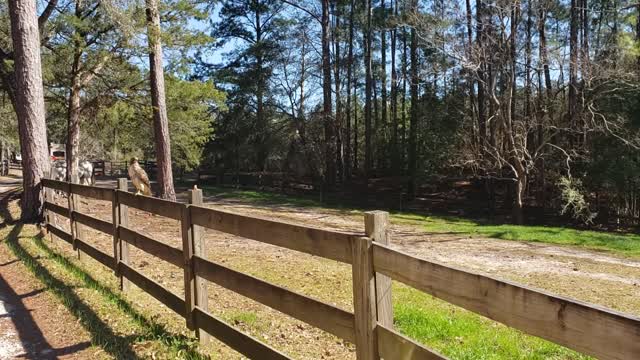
(101, 334)
(186, 346)
(6, 217)
(33, 340)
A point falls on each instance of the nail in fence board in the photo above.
(587, 328)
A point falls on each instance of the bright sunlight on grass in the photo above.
(626, 244)
(460, 334)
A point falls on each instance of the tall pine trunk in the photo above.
(368, 158)
(395, 157)
(347, 137)
(73, 111)
(330, 169)
(29, 105)
(338, 119)
(158, 101)
(383, 131)
(413, 125)
(573, 69)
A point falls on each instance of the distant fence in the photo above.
(120, 168)
(586, 328)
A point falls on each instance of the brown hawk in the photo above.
(139, 178)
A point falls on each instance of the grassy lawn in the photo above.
(460, 334)
(622, 243)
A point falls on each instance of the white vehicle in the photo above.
(57, 152)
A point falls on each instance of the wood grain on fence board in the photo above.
(587, 328)
(236, 339)
(63, 235)
(189, 276)
(364, 300)
(171, 300)
(196, 198)
(93, 192)
(99, 256)
(153, 247)
(60, 210)
(328, 244)
(375, 227)
(92, 222)
(393, 345)
(122, 247)
(324, 316)
(157, 206)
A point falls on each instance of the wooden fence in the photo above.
(583, 327)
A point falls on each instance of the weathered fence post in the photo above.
(364, 299)
(122, 247)
(74, 205)
(376, 227)
(195, 286)
(46, 196)
(189, 276)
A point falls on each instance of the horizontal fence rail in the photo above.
(241, 342)
(328, 244)
(60, 210)
(93, 192)
(156, 248)
(587, 328)
(92, 222)
(160, 207)
(324, 316)
(583, 327)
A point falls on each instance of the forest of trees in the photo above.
(538, 101)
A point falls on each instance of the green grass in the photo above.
(622, 243)
(460, 334)
(261, 197)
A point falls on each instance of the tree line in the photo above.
(537, 100)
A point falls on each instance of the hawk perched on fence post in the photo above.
(139, 178)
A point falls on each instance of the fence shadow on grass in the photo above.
(185, 346)
(101, 334)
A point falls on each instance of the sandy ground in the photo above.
(597, 277)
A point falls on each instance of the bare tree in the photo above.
(29, 104)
